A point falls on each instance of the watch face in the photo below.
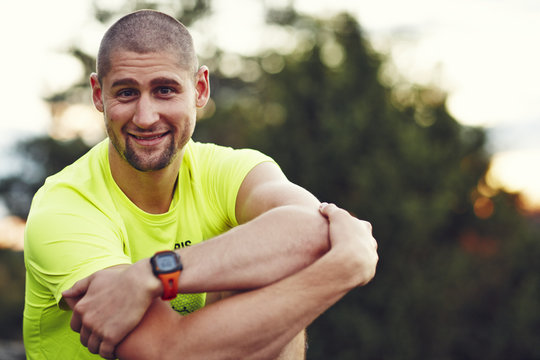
(166, 262)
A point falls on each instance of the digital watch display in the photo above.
(166, 266)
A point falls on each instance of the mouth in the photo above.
(148, 139)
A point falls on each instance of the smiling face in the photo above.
(149, 103)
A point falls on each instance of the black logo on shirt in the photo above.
(182, 244)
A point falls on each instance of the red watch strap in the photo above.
(170, 285)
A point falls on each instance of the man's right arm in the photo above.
(99, 302)
(256, 253)
(282, 309)
(259, 323)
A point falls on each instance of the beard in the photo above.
(145, 160)
(148, 160)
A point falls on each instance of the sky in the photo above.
(484, 53)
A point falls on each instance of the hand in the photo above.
(109, 304)
(352, 242)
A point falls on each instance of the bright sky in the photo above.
(483, 52)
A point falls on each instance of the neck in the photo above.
(151, 191)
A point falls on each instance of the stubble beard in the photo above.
(144, 160)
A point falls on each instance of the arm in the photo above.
(294, 350)
(255, 323)
(258, 323)
(281, 232)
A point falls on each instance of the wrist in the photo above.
(147, 279)
(167, 267)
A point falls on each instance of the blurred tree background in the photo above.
(458, 276)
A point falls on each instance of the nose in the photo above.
(146, 112)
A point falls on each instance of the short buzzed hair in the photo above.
(147, 31)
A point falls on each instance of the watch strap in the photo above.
(170, 285)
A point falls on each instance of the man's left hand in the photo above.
(110, 303)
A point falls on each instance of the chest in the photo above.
(192, 220)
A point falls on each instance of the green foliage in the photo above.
(449, 284)
(458, 276)
(12, 290)
(188, 11)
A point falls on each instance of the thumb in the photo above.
(333, 213)
(78, 289)
(327, 209)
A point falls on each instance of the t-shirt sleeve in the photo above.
(226, 170)
(64, 244)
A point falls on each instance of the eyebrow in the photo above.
(124, 82)
(153, 82)
(164, 81)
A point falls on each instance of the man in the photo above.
(238, 225)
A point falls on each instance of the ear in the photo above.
(202, 86)
(96, 92)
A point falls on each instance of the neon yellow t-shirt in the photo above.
(81, 222)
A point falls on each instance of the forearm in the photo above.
(255, 324)
(274, 245)
(271, 247)
(252, 324)
(295, 349)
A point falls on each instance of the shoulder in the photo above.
(79, 190)
(79, 177)
(218, 156)
(82, 170)
(219, 171)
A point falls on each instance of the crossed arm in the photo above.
(281, 253)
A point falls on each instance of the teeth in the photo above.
(147, 137)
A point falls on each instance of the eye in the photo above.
(126, 94)
(165, 91)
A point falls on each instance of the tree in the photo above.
(458, 276)
(12, 290)
(396, 157)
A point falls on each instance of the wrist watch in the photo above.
(167, 267)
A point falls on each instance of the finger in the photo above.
(93, 344)
(376, 244)
(335, 214)
(106, 350)
(85, 335)
(71, 301)
(327, 209)
(76, 322)
(322, 206)
(78, 289)
(368, 225)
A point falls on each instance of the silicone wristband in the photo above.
(170, 285)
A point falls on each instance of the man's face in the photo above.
(149, 104)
